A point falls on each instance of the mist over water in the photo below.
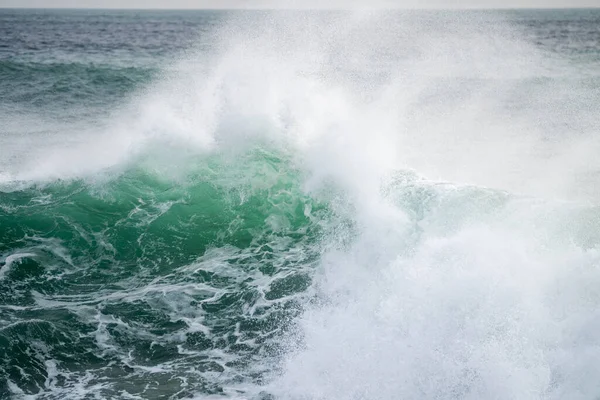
(302, 205)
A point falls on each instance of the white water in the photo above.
(484, 296)
(456, 97)
(504, 307)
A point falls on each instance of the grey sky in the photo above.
(298, 3)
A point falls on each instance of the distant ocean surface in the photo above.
(302, 205)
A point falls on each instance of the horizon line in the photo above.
(465, 8)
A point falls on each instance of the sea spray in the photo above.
(321, 205)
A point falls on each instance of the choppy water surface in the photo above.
(299, 205)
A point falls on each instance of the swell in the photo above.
(256, 226)
(228, 276)
(140, 274)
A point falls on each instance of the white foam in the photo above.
(10, 260)
(354, 92)
(433, 307)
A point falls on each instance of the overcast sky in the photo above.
(298, 3)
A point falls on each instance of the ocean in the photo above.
(300, 205)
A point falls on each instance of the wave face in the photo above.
(300, 205)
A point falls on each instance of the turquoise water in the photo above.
(299, 205)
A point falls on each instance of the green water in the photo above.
(299, 205)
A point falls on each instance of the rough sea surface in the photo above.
(300, 205)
